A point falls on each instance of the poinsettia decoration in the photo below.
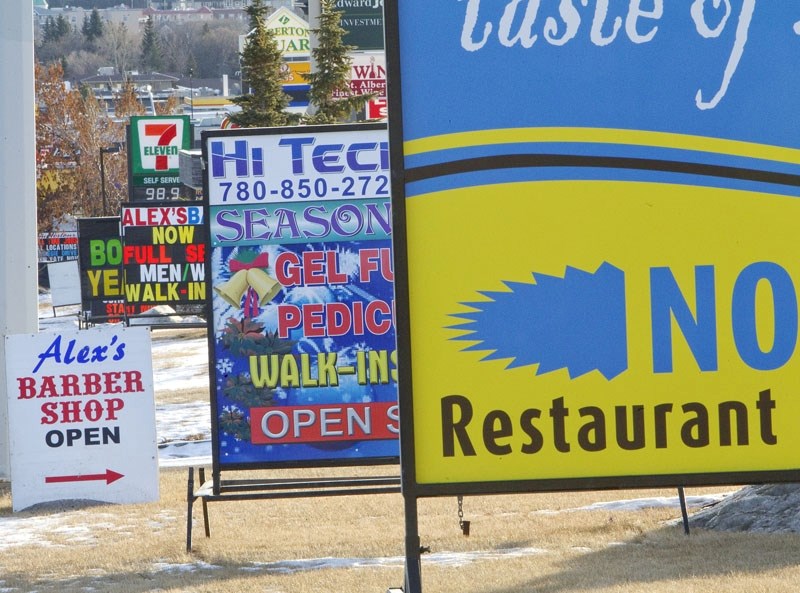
(240, 389)
(233, 421)
(247, 337)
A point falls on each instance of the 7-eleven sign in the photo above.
(156, 142)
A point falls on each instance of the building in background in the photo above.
(152, 88)
(176, 11)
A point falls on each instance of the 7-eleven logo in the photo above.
(159, 142)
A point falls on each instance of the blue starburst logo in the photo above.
(576, 322)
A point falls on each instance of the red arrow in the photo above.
(109, 476)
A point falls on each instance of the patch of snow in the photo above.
(183, 430)
(455, 559)
(183, 567)
(638, 504)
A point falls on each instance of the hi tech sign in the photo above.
(304, 362)
(295, 168)
(82, 416)
(601, 276)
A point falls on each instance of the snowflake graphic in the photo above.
(224, 365)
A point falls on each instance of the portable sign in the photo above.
(99, 268)
(100, 271)
(155, 143)
(65, 283)
(597, 253)
(302, 348)
(163, 254)
(58, 246)
(81, 416)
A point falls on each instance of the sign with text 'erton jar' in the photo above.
(598, 253)
(302, 344)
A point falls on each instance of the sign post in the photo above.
(18, 272)
(596, 256)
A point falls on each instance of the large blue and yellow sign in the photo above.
(597, 243)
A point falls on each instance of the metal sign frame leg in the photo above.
(413, 576)
(684, 510)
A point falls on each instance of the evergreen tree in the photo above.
(191, 65)
(265, 103)
(48, 31)
(151, 49)
(92, 28)
(330, 93)
(85, 27)
(63, 28)
(55, 29)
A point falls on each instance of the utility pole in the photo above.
(18, 258)
(314, 11)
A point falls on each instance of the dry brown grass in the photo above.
(140, 548)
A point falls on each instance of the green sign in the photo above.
(363, 21)
(155, 143)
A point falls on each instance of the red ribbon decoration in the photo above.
(251, 303)
(250, 307)
(261, 261)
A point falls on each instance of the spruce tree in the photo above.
(265, 103)
(55, 29)
(92, 28)
(49, 30)
(85, 29)
(330, 93)
(151, 49)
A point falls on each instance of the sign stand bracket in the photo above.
(263, 489)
